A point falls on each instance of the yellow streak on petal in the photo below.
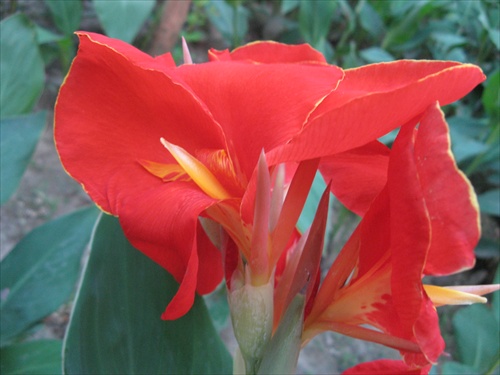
(197, 171)
(167, 172)
(445, 296)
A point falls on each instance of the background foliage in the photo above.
(39, 273)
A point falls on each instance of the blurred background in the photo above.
(38, 45)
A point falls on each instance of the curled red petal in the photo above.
(357, 175)
(113, 108)
(163, 223)
(375, 99)
(449, 198)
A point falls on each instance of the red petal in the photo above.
(449, 197)
(113, 108)
(357, 175)
(260, 106)
(163, 223)
(372, 100)
(385, 367)
(184, 298)
(268, 52)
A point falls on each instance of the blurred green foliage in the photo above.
(349, 33)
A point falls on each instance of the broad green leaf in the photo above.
(18, 138)
(490, 202)
(67, 15)
(21, 66)
(32, 358)
(282, 352)
(315, 18)
(116, 327)
(289, 5)
(491, 95)
(40, 273)
(123, 19)
(457, 368)
(476, 332)
(232, 22)
(465, 147)
(370, 20)
(375, 55)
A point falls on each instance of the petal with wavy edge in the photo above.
(169, 232)
(357, 175)
(259, 107)
(375, 99)
(449, 198)
(118, 107)
(269, 52)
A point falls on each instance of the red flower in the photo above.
(160, 146)
(423, 221)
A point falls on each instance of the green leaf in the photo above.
(21, 66)
(32, 358)
(491, 95)
(370, 20)
(490, 202)
(18, 139)
(67, 15)
(495, 298)
(116, 327)
(289, 5)
(282, 352)
(123, 19)
(315, 18)
(376, 55)
(40, 273)
(232, 22)
(457, 368)
(465, 147)
(476, 332)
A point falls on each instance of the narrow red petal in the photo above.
(184, 298)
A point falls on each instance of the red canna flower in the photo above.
(423, 220)
(165, 148)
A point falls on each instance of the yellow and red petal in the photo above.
(375, 99)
